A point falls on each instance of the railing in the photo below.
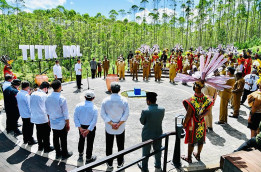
(176, 155)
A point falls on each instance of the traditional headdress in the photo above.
(6, 60)
(137, 51)
(178, 48)
(205, 75)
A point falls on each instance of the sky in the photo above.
(92, 7)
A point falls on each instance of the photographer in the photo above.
(250, 85)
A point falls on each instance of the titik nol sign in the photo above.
(49, 51)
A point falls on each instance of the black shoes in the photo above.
(58, 155)
(120, 165)
(17, 132)
(232, 116)
(92, 159)
(50, 149)
(40, 148)
(68, 155)
(219, 123)
(33, 142)
(140, 167)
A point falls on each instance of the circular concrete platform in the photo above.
(223, 140)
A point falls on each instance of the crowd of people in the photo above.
(238, 82)
(50, 112)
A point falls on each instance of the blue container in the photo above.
(137, 91)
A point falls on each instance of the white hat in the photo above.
(89, 94)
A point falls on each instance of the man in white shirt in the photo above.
(57, 71)
(40, 118)
(250, 85)
(56, 107)
(8, 80)
(114, 112)
(23, 102)
(85, 118)
(78, 70)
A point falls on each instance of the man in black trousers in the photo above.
(57, 110)
(23, 101)
(78, 70)
(11, 108)
(40, 118)
(93, 67)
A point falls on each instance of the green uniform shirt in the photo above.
(152, 121)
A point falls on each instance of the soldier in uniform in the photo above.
(135, 67)
(137, 56)
(225, 96)
(211, 92)
(237, 92)
(196, 62)
(106, 66)
(186, 65)
(117, 65)
(146, 69)
(172, 71)
(121, 67)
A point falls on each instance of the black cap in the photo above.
(151, 95)
(16, 82)
(231, 70)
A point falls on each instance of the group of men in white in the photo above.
(50, 112)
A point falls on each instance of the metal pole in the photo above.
(40, 66)
(166, 154)
(88, 79)
(179, 134)
(71, 67)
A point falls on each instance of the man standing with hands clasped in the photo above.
(56, 107)
(115, 112)
(57, 71)
(152, 119)
(78, 70)
(85, 118)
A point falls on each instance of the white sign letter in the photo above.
(24, 50)
(73, 51)
(66, 51)
(40, 48)
(52, 51)
(32, 52)
(46, 50)
(78, 51)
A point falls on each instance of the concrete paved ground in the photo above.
(223, 140)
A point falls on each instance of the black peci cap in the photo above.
(16, 82)
(152, 95)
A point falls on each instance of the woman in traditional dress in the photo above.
(179, 62)
(198, 105)
(197, 108)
